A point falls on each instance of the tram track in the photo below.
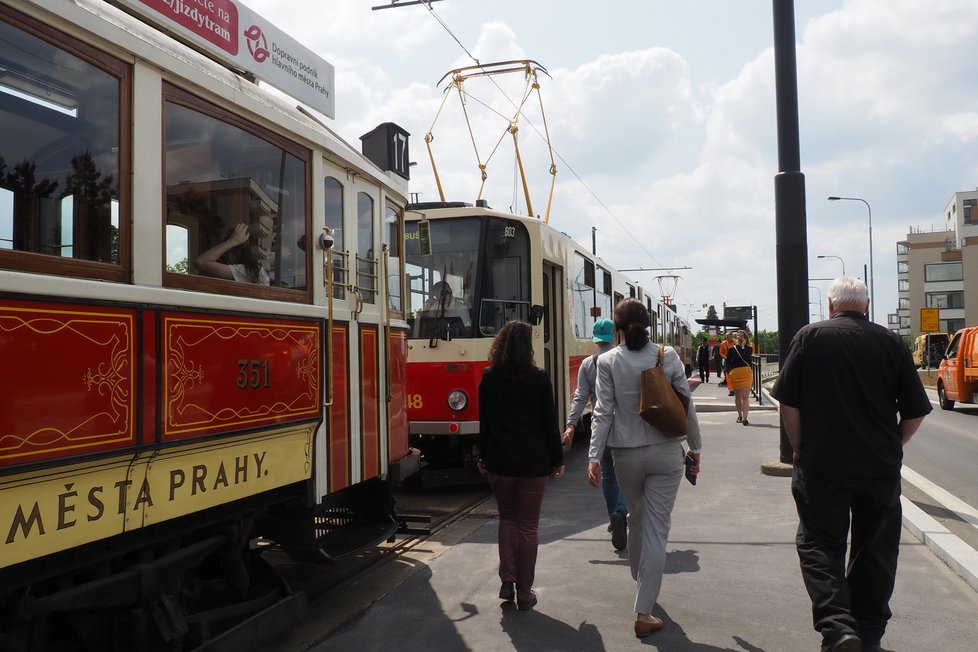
(323, 597)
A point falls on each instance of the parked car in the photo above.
(928, 349)
(957, 378)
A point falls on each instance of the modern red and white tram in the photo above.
(202, 331)
(470, 269)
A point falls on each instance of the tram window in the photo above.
(240, 194)
(334, 220)
(505, 284)
(582, 293)
(602, 297)
(177, 260)
(366, 260)
(442, 286)
(62, 154)
(393, 226)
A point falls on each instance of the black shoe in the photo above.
(526, 603)
(619, 531)
(745, 422)
(848, 643)
(507, 591)
(729, 393)
(874, 647)
(740, 419)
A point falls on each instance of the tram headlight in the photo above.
(457, 400)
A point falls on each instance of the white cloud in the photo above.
(666, 111)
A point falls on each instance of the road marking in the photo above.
(946, 499)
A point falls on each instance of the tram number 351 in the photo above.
(253, 374)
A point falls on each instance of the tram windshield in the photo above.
(475, 279)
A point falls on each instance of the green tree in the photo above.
(180, 267)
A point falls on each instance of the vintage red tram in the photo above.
(201, 329)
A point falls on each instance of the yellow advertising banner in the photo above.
(48, 511)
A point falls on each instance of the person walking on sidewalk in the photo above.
(603, 335)
(740, 374)
(847, 433)
(649, 463)
(728, 341)
(519, 447)
(703, 361)
(718, 363)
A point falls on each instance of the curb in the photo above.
(959, 556)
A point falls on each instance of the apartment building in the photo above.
(939, 269)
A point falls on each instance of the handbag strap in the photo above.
(662, 354)
(740, 355)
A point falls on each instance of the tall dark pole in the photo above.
(789, 194)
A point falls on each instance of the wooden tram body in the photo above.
(154, 420)
(499, 267)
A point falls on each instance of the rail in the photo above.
(763, 366)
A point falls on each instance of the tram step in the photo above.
(357, 517)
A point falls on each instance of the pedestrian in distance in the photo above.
(519, 447)
(718, 363)
(703, 361)
(740, 374)
(847, 433)
(728, 341)
(603, 335)
(649, 464)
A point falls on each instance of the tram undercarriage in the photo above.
(448, 460)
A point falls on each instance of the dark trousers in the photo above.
(613, 498)
(519, 501)
(853, 598)
(719, 368)
(704, 372)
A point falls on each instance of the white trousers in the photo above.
(649, 478)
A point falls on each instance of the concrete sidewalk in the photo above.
(732, 580)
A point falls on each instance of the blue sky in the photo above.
(663, 115)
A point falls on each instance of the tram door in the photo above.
(554, 360)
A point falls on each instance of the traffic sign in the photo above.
(929, 320)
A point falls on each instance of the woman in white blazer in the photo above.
(649, 463)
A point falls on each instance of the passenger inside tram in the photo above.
(247, 269)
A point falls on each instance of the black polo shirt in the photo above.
(850, 378)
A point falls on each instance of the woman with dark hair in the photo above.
(519, 446)
(740, 375)
(648, 462)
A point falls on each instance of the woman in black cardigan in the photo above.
(519, 446)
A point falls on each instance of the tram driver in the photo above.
(443, 314)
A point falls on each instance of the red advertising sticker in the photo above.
(216, 21)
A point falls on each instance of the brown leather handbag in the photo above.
(661, 406)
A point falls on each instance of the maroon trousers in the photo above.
(519, 501)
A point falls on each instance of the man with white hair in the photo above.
(842, 386)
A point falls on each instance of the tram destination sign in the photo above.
(238, 36)
(738, 312)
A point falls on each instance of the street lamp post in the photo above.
(872, 298)
(839, 259)
(821, 314)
